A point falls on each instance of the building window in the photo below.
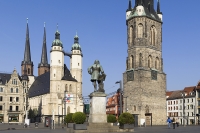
(150, 61)
(131, 62)
(17, 99)
(140, 60)
(188, 114)
(1, 108)
(28, 70)
(168, 102)
(153, 35)
(192, 100)
(188, 100)
(11, 99)
(130, 35)
(176, 107)
(168, 108)
(11, 90)
(17, 91)
(140, 31)
(180, 101)
(1, 89)
(78, 64)
(157, 63)
(1, 98)
(134, 108)
(176, 102)
(10, 108)
(180, 107)
(70, 88)
(17, 108)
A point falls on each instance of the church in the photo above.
(56, 91)
(144, 80)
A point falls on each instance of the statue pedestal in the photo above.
(97, 108)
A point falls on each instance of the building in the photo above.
(113, 104)
(55, 92)
(12, 98)
(181, 104)
(144, 80)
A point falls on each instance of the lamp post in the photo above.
(120, 96)
(183, 94)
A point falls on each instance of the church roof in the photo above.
(4, 77)
(148, 10)
(41, 85)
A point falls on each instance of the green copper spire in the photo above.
(76, 45)
(57, 41)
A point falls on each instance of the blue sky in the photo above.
(101, 27)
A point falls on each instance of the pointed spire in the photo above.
(129, 6)
(76, 38)
(158, 7)
(27, 53)
(44, 60)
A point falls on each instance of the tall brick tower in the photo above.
(144, 81)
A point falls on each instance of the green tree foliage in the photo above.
(31, 113)
(126, 118)
(79, 117)
(111, 119)
(68, 118)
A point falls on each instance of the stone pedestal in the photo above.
(97, 108)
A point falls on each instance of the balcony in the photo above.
(14, 111)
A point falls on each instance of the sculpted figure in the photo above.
(97, 75)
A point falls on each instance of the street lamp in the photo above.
(120, 90)
(183, 94)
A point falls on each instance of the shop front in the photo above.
(13, 118)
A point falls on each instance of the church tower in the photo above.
(27, 55)
(57, 61)
(144, 80)
(76, 63)
(43, 66)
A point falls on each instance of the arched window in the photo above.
(140, 31)
(153, 35)
(131, 62)
(28, 70)
(130, 35)
(157, 63)
(66, 88)
(11, 90)
(70, 88)
(150, 61)
(140, 60)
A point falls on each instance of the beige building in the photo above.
(56, 91)
(12, 98)
(144, 80)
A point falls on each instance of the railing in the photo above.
(14, 111)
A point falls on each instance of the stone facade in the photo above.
(12, 98)
(144, 81)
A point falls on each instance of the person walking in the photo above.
(169, 122)
(174, 123)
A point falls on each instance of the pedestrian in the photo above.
(169, 122)
(174, 123)
(177, 122)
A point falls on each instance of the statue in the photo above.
(97, 75)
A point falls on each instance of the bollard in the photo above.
(36, 124)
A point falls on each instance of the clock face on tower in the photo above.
(130, 75)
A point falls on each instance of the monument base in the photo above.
(97, 108)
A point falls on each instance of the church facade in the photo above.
(144, 80)
(56, 91)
